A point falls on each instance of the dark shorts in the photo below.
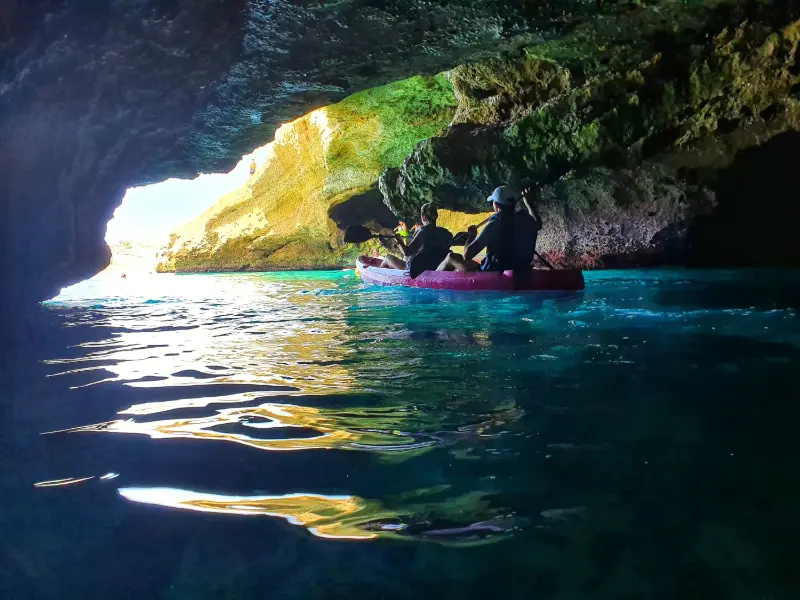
(491, 266)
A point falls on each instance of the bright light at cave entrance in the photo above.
(147, 214)
(142, 223)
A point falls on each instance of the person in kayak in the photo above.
(402, 230)
(509, 237)
(427, 248)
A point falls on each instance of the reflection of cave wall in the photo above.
(758, 213)
(363, 208)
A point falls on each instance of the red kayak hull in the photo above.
(537, 280)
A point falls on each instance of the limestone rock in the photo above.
(645, 98)
(97, 96)
(319, 177)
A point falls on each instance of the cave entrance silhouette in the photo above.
(756, 220)
(140, 227)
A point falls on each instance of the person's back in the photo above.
(526, 232)
(504, 238)
(497, 245)
(429, 246)
(434, 245)
(510, 239)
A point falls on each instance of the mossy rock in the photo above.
(662, 102)
(281, 218)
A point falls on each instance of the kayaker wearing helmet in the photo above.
(509, 237)
(427, 248)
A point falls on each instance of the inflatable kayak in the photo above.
(535, 280)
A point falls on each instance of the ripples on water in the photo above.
(620, 443)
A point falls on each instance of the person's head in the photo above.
(376, 253)
(503, 198)
(428, 214)
(402, 225)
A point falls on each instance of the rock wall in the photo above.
(319, 177)
(626, 140)
(97, 96)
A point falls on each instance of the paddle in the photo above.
(544, 260)
(460, 239)
(358, 234)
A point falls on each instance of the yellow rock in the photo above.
(280, 218)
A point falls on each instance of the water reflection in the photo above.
(305, 427)
(324, 516)
(230, 330)
(444, 419)
(294, 364)
(62, 482)
(358, 429)
(638, 440)
(346, 517)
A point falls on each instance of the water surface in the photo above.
(300, 435)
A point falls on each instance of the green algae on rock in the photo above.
(616, 120)
(281, 219)
(650, 99)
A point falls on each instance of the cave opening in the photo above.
(758, 208)
(367, 207)
(140, 227)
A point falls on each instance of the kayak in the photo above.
(540, 280)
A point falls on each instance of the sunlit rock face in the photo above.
(100, 95)
(625, 123)
(319, 176)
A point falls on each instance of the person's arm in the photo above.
(530, 198)
(401, 244)
(414, 246)
(476, 243)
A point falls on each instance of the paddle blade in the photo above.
(357, 234)
(544, 260)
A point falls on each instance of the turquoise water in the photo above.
(300, 435)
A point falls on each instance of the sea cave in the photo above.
(202, 397)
